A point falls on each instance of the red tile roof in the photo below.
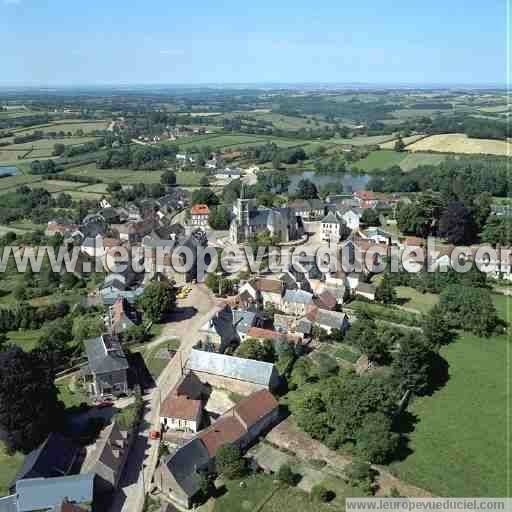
(256, 407)
(226, 430)
(268, 285)
(258, 332)
(180, 406)
(200, 209)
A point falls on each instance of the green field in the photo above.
(363, 140)
(124, 176)
(413, 160)
(459, 445)
(413, 299)
(26, 338)
(16, 181)
(66, 126)
(57, 185)
(223, 141)
(284, 122)
(381, 159)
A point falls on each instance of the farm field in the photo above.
(66, 126)
(124, 176)
(16, 181)
(381, 159)
(284, 122)
(407, 140)
(56, 185)
(223, 140)
(364, 140)
(461, 143)
(413, 160)
(475, 395)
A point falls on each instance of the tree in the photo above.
(321, 494)
(286, 475)
(458, 225)
(385, 291)
(469, 308)
(219, 217)
(58, 149)
(158, 300)
(204, 181)
(168, 178)
(375, 440)
(306, 189)
(363, 335)
(229, 461)
(29, 406)
(498, 230)
(55, 342)
(113, 187)
(370, 217)
(252, 348)
(87, 326)
(411, 366)
(204, 196)
(399, 144)
(436, 329)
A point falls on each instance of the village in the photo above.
(222, 407)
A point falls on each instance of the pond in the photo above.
(351, 182)
(8, 170)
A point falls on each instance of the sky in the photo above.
(394, 42)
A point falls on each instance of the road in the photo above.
(191, 314)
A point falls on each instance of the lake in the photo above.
(351, 182)
(8, 170)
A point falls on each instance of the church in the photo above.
(250, 220)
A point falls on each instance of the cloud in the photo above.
(175, 52)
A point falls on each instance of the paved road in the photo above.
(192, 313)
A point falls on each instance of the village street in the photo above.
(191, 314)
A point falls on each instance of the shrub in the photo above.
(286, 475)
(322, 494)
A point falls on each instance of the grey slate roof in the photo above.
(8, 504)
(331, 218)
(243, 320)
(298, 296)
(43, 493)
(105, 355)
(54, 457)
(332, 319)
(184, 462)
(232, 367)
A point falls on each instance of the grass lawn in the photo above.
(57, 185)
(26, 338)
(66, 126)
(156, 364)
(9, 466)
(293, 499)
(413, 299)
(124, 176)
(70, 393)
(459, 445)
(257, 488)
(381, 159)
(188, 179)
(12, 182)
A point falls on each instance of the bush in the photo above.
(229, 461)
(286, 475)
(322, 494)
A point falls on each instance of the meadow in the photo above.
(461, 143)
(66, 126)
(381, 159)
(459, 443)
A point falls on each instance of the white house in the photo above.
(199, 214)
(331, 227)
(182, 409)
(296, 302)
